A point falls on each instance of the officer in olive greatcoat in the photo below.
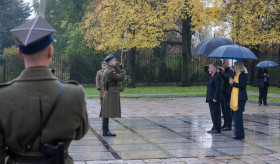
(99, 81)
(27, 100)
(111, 107)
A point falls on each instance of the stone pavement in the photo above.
(173, 130)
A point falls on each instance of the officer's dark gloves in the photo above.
(98, 89)
(121, 67)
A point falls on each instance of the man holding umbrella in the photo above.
(262, 79)
(225, 95)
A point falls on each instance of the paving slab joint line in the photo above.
(105, 144)
(216, 150)
(147, 140)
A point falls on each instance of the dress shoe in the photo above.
(215, 131)
(227, 128)
(222, 127)
(238, 138)
(209, 131)
(108, 133)
(265, 104)
(260, 104)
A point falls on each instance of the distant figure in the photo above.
(262, 79)
(238, 99)
(99, 81)
(213, 98)
(226, 74)
(111, 107)
(26, 133)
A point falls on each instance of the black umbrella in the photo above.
(207, 46)
(233, 52)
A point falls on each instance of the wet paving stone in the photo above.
(140, 154)
(90, 156)
(195, 152)
(177, 135)
(243, 150)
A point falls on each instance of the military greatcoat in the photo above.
(111, 107)
(25, 103)
(99, 82)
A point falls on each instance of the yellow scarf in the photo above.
(234, 94)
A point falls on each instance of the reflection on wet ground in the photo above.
(146, 136)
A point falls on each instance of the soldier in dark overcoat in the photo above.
(111, 107)
(27, 100)
(99, 81)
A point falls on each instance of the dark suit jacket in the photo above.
(214, 88)
(226, 87)
(242, 87)
(260, 77)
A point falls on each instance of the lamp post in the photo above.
(42, 9)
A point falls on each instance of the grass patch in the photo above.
(273, 90)
(256, 97)
(175, 91)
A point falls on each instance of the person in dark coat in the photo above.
(27, 100)
(226, 74)
(99, 81)
(111, 107)
(263, 84)
(213, 98)
(238, 99)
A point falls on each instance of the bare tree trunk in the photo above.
(186, 49)
(132, 58)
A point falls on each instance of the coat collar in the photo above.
(36, 73)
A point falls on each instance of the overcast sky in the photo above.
(30, 3)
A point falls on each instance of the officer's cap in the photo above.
(33, 35)
(104, 63)
(109, 58)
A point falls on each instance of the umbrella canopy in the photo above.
(233, 52)
(207, 46)
(267, 63)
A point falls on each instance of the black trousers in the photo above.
(238, 119)
(215, 112)
(263, 94)
(105, 124)
(225, 105)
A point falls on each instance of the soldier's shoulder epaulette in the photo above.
(7, 83)
(72, 82)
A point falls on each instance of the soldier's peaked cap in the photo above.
(33, 35)
(109, 57)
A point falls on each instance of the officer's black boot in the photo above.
(105, 127)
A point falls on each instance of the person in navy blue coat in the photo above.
(213, 97)
(242, 98)
(262, 79)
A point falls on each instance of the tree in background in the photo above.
(254, 24)
(150, 23)
(63, 16)
(12, 14)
